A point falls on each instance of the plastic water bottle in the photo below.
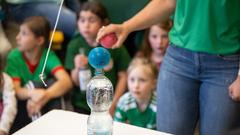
(84, 74)
(99, 95)
(99, 99)
(30, 86)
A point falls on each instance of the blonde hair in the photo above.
(141, 61)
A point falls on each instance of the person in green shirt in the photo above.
(25, 63)
(139, 106)
(199, 78)
(92, 17)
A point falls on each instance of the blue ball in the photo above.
(99, 57)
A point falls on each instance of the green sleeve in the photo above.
(53, 62)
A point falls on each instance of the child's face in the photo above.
(26, 40)
(158, 39)
(89, 24)
(140, 83)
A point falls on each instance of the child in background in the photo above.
(25, 63)
(138, 106)
(155, 42)
(92, 17)
(8, 107)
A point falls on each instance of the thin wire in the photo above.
(41, 76)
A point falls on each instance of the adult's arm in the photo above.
(156, 11)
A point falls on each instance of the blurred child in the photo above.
(155, 42)
(8, 107)
(138, 106)
(92, 17)
(25, 63)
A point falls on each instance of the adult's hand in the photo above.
(234, 90)
(120, 30)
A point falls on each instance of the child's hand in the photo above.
(109, 66)
(80, 61)
(234, 89)
(2, 132)
(37, 94)
(39, 97)
(31, 108)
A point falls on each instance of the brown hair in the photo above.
(39, 26)
(146, 49)
(141, 61)
(96, 8)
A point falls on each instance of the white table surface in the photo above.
(59, 122)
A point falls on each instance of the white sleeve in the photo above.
(9, 104)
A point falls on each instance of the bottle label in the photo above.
(84, 77)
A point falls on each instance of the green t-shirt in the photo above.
(119, 57)
(17, 66)
(127, 111)
(207, 26)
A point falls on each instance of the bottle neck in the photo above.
(99, 72)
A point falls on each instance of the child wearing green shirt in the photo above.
(138, 106)
(92, 17)
(25, 64)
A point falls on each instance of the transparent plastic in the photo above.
(100, 123)
(84, 74)
(99, 98)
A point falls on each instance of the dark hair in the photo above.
(146, 47)
(39, 26)
(96, 8)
